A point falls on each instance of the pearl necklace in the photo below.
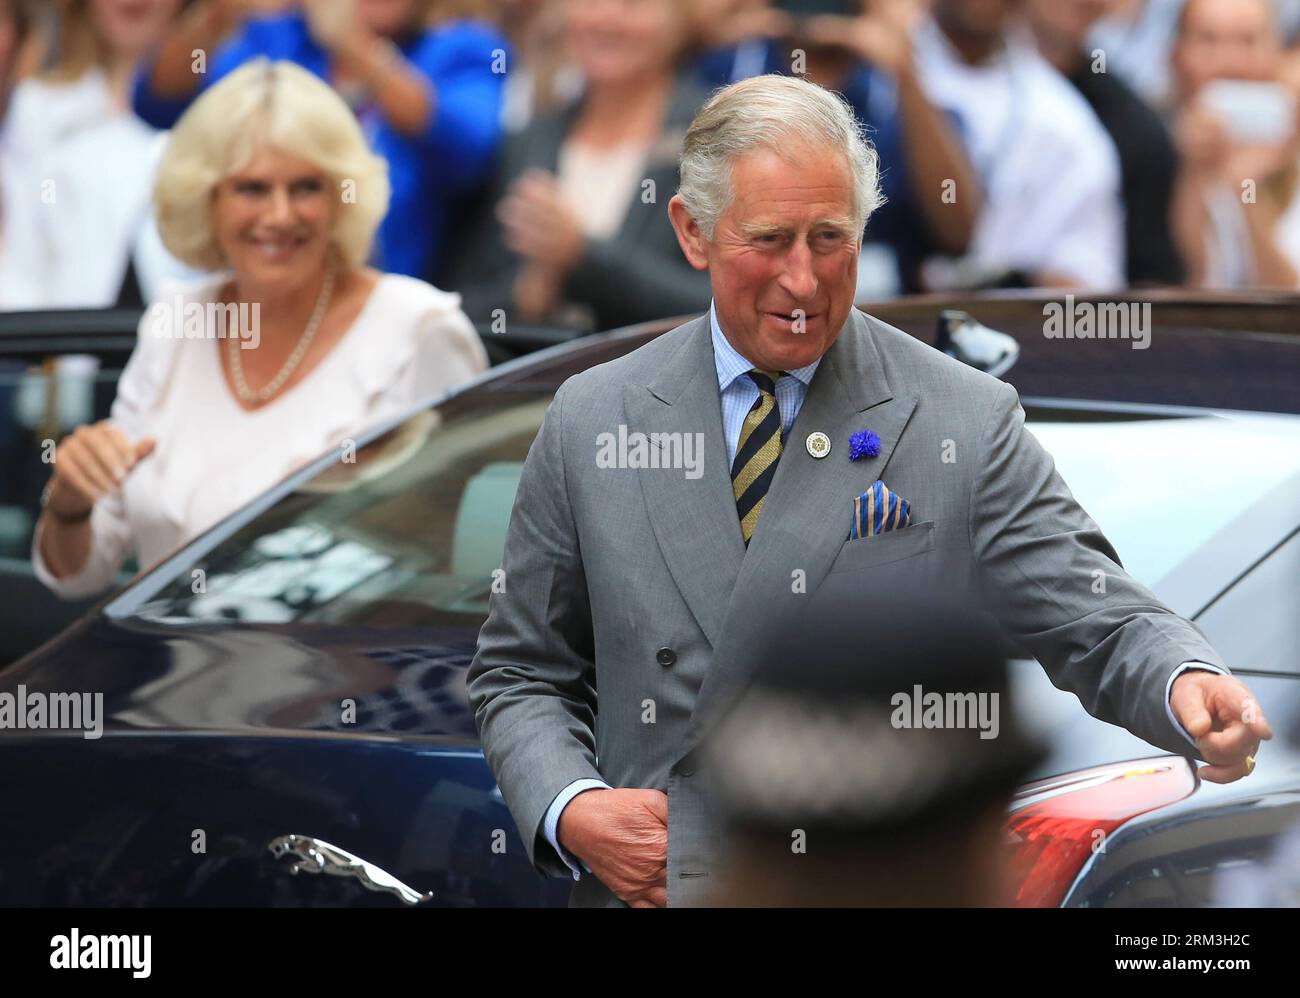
(234, 349)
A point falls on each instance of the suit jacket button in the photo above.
(686, 766)
(666, 657)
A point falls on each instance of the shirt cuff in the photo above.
(85, 582)
(551, 826)
(1169, 689)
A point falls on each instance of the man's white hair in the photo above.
(770, 112)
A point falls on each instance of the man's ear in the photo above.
(689, 237)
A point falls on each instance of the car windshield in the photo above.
(409, 531)
(1160, 488)
(406, 531)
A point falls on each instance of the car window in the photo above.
(58, 370)
(39, 405)
(408, 531)
(1255, 625)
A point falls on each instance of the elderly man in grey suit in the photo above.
(782, 442)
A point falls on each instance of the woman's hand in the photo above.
(537, 291)
(539, 224)
(1200, 137)
(90, 464)
(1259, 162)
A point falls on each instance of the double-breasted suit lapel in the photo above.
(805, 519)
(694, 520)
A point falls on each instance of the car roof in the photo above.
(1207, 351)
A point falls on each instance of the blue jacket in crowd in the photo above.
(455, 153)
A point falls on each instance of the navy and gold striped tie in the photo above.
(757, 452)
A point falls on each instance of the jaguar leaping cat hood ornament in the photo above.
(316, 856)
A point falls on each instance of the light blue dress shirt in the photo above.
(738, 394)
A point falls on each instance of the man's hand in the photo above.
(1224, 718)
(622, 836)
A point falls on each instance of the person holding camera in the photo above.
(1235, 212)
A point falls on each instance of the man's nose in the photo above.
(798, 279)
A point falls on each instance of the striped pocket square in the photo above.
(878, 510)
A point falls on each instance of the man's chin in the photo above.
(785, 358)
(789, 346)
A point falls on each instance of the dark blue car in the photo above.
(284, 717)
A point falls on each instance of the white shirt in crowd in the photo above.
(1050, 171)
(600, 184)
(76, 179)
(1138, 43)
(409, 343)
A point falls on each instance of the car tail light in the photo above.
(1057, 824)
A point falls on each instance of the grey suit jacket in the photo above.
(604, 567)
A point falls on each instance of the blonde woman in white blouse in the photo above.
(294, 347)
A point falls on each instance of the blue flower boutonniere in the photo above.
(864, 443)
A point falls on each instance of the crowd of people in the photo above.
(377, 176)
(531, 145)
